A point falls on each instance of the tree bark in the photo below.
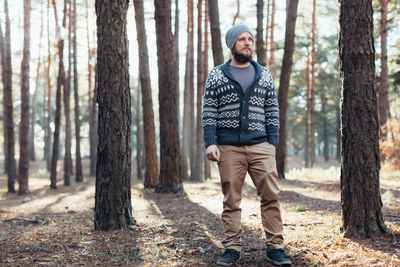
(237, 12)
(48, 107)
(267, 44)
(60, 83)
(284, 85)
(272, 41)
(189, 68)
(139, 133)
(113, 188)
(215, 32)
(198, 173)
(151, 169)
(325, 127)
(311, 95)
(359, 179)
(78, 164)
(207, 164)
(23, 164)
(259, 39)
(170, 180)
(383, 84)
(67, 107)
(10, 165)
(307, 139)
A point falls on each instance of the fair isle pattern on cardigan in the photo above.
(232, 117)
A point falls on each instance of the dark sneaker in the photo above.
(278, 257)
(229, 257)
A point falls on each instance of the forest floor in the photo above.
(55, 227)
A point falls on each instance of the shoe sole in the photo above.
(283, 263)
(226, 264)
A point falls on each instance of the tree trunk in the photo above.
(383, 84)
(113, 178)
(60, 83)
(338, 133)
(170, 180)
(207, 164)
(78, 164)
(67, 107)
(48, 106)
(198, 173)
(267, 44)
(284, 85)
(139, 133)
(189, 68)
(311, 95)
(237, 12)
(34, 99)
(94, 122)
(307, 140)
(150, 179)
(272, 41)
(11, 168)
(23, 164)
(215, 32)
(361, 202)
(325, 127)
(259, 39)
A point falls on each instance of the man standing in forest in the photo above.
(241, 132)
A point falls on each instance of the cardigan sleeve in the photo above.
(271, 108)
(210, 112)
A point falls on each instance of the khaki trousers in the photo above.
(259, 161)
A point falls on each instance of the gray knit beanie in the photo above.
(233, 33)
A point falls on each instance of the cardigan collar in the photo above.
(257, 67)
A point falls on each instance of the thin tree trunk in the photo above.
(338, 133)
(23, 164)
(139, 133)
(186, 97)
(325, 127)
(215, 32)
(311, 139)
(60, 83)
(360, 197)
(170, 179)
(151, 169)
(308, 85)
(383, 81)
(10, 163)
(34, 99)
(272, 41)
(237, 12)
(284, 85)
(198, 173)
(47, 141)
(113, 187)
(207, 164)
(267, 44)
(259, 39)
(67, 109)
(78, 164)
(176, 51)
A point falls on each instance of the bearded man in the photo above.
(241, 132)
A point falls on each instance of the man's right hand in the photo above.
(213, 153)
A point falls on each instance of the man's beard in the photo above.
(241, 58)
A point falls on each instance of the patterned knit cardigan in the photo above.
(232, 117)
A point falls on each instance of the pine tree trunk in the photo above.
(94, 140)
(360, 199)
(60, 83)
(311, 101)
(272, 41)
(259, 39)
(186, 95)
(237, 12)
(48, 106)
(150, 179)
(383, 81)
(198, 173)
(23, 164)
(325, 127)
(267, 44)
(10, 163)
(207, 164)
(139, 133)
(284, 85)
(113, 188)
(307, 140)
(78, 164)
(215, 32)
(67, 107)
(338, 133)
(170, 180)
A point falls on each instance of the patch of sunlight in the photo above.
(331, 173)
(387, 197)
(43, 173)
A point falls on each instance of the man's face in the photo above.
(243, 49)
